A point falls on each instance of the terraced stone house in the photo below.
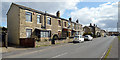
(25, 22)
(96, 31)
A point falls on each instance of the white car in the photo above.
(78, 38)
(88, 37)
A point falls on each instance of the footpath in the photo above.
(112, 52)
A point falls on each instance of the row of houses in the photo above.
(113, 33)
(24, 22)
(94, 30)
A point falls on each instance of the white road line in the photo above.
(104, 54)
(59, 55)
(105, 51)
(35, 51)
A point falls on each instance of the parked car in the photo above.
(78, 38)
(88, 37)
(105, 35)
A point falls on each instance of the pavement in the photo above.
(11, 49)
(114, 49)
(112, 52)
(14, 51)
(87, 49)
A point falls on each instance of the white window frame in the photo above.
(73, 25)
(60, 23)
(69, 24)
(38, 17)
(28, 14)
(49, 20)
(28, 33)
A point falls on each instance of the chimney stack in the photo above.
(58, 14)
(77, 21)
(90, 24)
(94, 25)
(70, 19)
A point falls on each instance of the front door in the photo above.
(69, 33)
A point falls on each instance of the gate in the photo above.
(27, 42)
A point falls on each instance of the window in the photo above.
(38, 19)
(59, 22)
(28, 17)
(28, 33)
(73, 26)
(45, 33)
(76, 37)
(49, 20)
(42, 34)
(77, 33)
(65, 24)
(76, 26)
(69, 24)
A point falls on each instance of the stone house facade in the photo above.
(96, 31)
(87, 29)
(103, 33)
(24, 22)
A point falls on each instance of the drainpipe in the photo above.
(62, 27)
(45, 20)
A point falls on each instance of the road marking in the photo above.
(35, 51)
(104, 54)
(59, 55)
(109, 48)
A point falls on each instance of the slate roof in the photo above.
(40, 12)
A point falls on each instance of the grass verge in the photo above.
(42, 45)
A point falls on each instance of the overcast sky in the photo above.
(104, 14)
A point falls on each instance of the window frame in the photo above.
(49, 20)
(28, 14)
(44, 34)
(28, 34)
(76, 26)
(69, 24)
(38, 16)
(59, 22)
(65, 24)
(73, 26)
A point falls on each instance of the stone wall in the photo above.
(13, 24)
(48, 43)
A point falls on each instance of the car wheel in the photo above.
(73, 41)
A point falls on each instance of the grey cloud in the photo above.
(108, 23)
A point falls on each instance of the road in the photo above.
(87, 49)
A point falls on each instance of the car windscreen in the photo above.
(81, 36)
(86, 36)
(76, 37)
